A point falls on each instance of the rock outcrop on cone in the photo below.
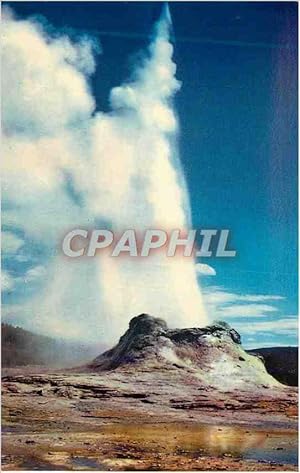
(212, 354)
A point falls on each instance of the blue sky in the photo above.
(237, 110)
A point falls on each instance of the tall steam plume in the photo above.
(68, 167)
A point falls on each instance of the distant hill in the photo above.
(280, 362)
(21, 347)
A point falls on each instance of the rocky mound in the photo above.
(212, 354)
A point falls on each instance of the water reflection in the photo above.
(262, 445)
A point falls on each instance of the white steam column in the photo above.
(155, 196)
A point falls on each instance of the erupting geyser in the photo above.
(124, 167)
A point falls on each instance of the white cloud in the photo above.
(7, 281)
(205, 269)
(44, 90)
(21, 258)
(281, 326)
(217, 295)
(246, 310)
(10, 243)
(222, 304)
(259, 298)
(35, 273)
(261, 344)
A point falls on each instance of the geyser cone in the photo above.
(212, 355)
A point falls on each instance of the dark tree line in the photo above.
(21, 347)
